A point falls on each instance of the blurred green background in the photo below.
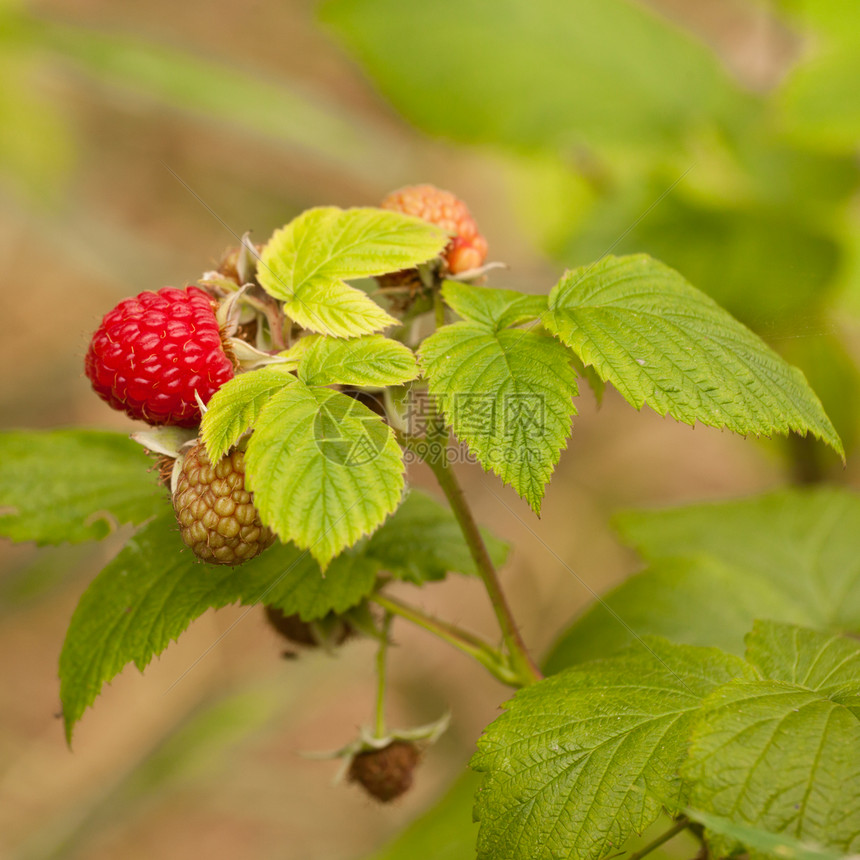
(138, 140)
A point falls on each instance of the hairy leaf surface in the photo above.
(507, 394)
(323, 468)
(807, 658)
(236, 405)
(663, 343)
(582, 760)
(493, 308)
(307, 263)
(780, 757)
(73, 485)
(149, 594)
(372, 360)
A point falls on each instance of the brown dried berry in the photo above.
(326, 632)
(386, 774)
(216, 514)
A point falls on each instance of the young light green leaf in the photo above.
(792, 556)
(323, 468)
(493, 308)
(508, 395)
(307, 263)
(807, 658)
(154, 588)
(73, 485)
(372, 360)
(236, 405)
(422, 542)
(663, 343)
(779, 757)
(584, 759)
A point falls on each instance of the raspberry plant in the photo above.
(308, 421)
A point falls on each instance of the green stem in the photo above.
(681, 824)
(438, 306)
(381, 666)
(494, 661)
(521, 662)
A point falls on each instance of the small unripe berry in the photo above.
(387, 773)
(216, 514)
(467, 248)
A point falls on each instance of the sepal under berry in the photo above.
(384, 766)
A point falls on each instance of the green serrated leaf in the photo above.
(791, 556)
(422, 542)
(807, 658)
(154, 588)
(663, 343)
(779, 757)
(495, 309)
(307, 263)
(508, 395)
(73, 485)
(323, 468)
(584, 759)
(236, 405)
(372, 360)
(761, 842)
(290, 580)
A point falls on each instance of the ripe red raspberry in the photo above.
(468, 248)
(216, 515)
(151, 353)
(386, 773)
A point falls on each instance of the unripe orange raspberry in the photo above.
(467, 248)
(216, 514)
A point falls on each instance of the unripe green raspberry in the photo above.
(216, 514)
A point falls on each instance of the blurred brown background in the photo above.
(137, 141)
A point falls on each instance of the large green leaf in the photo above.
(663, 343)
(584, 759)
(504, 391)
(307, 263)
(73, 485)
(236, 405)
(154, 588)
(323, 468)
(808, 658)
(373, 360)
(791, 556)
(782, 755)
(762, 842)
(538, 74)
(496, 309)
(422, 542)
